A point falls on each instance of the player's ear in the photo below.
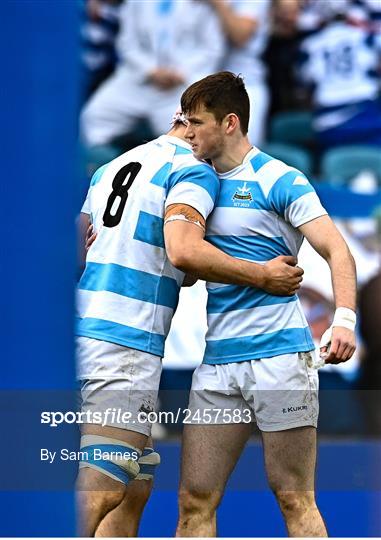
(232, 122)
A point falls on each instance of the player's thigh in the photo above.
(290, 458)
(119, 388)
(216, 429)
(285, 393)
(209, 455)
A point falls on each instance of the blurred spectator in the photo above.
(99, 32)
(370, 323)
(367, 13)
(246, 26)
(281, 56)
(314, 14)
(341, 63)
(163, 46)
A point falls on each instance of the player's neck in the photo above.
(233, 156)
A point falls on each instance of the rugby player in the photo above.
(259, 357)
(126, 299)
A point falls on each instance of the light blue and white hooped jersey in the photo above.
(129, 290)
(261, 204)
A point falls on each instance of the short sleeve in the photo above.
(197, 186)
(294, 199)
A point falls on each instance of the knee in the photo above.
(295, 503)
(98, 503)
(137, 494)
(193, 503)
(98, 491)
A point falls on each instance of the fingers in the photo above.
(323, 352)
(90, 231)
(340, 351)
(293, 270)
(290, 291)
(288, 259)
(295, 284)
(90, 241)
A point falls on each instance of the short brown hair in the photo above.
(221, 93)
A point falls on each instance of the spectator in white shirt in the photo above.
(246, 26)
(163, 47)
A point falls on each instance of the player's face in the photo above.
(204, 134)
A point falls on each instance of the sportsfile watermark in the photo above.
(141, 409)
(112, 416)
(44, 432)
(96, 454)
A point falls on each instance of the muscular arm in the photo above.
(188, 251)
(238, 28)
(328, 242)
(325, 238)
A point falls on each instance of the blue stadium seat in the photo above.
(341, 164)
(95, 157)
(293, 127)
(292, 155)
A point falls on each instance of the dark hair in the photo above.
(221, 93)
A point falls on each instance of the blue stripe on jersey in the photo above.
(181, 150)
(239, 349)
(120, 334)
(161, 177)
(149, 229)
(229, 188)
(97, 175)
(259, 160)
(234, 297)
(143, 286)
(253, 248)
(284, 192)
(201, 175)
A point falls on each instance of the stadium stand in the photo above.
(291, 154)
(340, 165)
(292, 127)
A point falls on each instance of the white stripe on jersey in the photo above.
(190, 193)
(140, 258)
(258, 320)
(234, 221)
(270, 174)
(123, 310)
(303, 210)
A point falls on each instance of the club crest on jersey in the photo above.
(242, 196)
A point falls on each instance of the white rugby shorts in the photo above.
(278, 393)
(123, 381)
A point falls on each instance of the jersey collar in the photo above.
(251, 153)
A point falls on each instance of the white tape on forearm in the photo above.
(181, 217)
(345, 317)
